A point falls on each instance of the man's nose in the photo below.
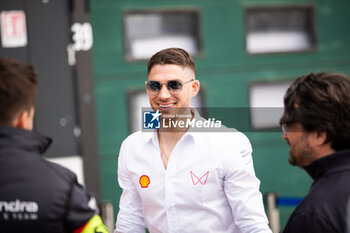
(284, 136)
(164, 92)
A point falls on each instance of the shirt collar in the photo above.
(151, 137)
(11, 137)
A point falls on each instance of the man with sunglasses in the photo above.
(177, 180)
(316, 126)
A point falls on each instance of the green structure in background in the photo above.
(224, 64)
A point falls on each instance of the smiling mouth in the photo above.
(165, 105)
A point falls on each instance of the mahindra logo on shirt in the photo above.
(203, 179)
(18, 210)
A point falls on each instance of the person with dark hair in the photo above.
(35, 195)
(176, 179)
(316, 126)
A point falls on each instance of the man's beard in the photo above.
(301, 153)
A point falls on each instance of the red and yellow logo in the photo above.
(144, 181)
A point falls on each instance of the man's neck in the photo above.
(320, 152)
(325, 151)
(169, 137)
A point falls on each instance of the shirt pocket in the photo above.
(207, 184)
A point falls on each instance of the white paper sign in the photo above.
(13, 29)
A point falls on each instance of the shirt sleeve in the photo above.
(242, 190)
(81, 207)
(130, 218)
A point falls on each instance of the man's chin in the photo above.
(166, 111)
(292, 160)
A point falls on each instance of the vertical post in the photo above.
(108, 215)
(348, 216)
(272, 212)
(84, 82)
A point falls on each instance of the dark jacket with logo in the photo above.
(324, 209)
(37, 195)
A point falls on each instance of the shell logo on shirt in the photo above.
(144, 181)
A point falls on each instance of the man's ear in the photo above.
(320, 146)
(320, 138)
(195, 88)
(20, 120)
(24, 119)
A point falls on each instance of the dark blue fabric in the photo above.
(37, 195)
(324, 208)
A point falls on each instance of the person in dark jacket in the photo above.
(35, 195)
(316, 126)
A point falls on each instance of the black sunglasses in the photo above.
(173, 86)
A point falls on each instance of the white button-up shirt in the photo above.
(209, 185)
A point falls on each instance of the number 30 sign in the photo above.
(82, 36)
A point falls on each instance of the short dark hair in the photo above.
(18, 84)
(321, 103)
(175, 56)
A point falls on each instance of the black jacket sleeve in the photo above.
(308, 223)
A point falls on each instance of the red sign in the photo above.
(13, 29)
